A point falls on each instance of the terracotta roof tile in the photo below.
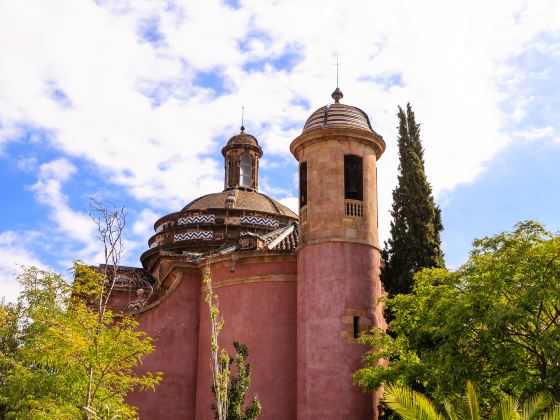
(338, 115)
(246, 200)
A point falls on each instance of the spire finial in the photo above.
(337, 64)
(337, 94)
(242, 117)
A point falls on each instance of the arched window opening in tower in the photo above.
(302, 184)
(246, 170)
(226, 177)
(353, 178)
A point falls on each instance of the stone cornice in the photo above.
(326, 134)
(267, 278)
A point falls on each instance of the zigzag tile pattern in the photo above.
(192, 236)
(192, 220)
(262, 221)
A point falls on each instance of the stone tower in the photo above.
(338, 259)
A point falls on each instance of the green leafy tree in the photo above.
(495, 320)
(63, 353)
(55, 351)
(411, 405)
(239, 386)
(414, 241)
(228, 390)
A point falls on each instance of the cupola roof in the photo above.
(338, 115)
(242, 139)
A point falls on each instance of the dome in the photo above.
(338, 115)
(215, 220)
(241, 200)
(243, 139)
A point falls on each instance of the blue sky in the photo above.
(131, 102)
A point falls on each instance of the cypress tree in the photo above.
(414, 241)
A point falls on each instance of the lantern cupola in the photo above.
(241, 161)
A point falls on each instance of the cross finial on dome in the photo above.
(242, 115)
(337, 95)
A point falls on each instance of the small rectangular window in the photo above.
(303, 184)
(356, 326)
(353, 178)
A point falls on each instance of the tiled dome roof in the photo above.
(338, 115)
(243, 138)
(240, 199)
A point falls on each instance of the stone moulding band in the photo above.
(262, 221)
(191, 236)
(255, 279)
(191, 220)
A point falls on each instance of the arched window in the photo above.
(353, 178)
(226, 178)
(246, 166)
(302, 184)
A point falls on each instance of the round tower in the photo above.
(338, 259)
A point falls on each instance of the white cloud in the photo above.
(81, 71)
(13, 254)
(535, 133)
(27, 164)
(291, 203)
(48, 190)
(143, 226)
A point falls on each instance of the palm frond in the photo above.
(507, 409)
(450, 410)
(408, 404)
(472, 402)
(553, 414)
(534, 407)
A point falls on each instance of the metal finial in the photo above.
(337, 94)
(242, 117)
(337, 64)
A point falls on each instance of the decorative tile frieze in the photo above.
(193, 236)
(261, 221)
(192, 220)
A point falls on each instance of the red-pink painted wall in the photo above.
(262, 315)
(175, 324)
(331, 278)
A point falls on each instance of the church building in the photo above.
(296, 289)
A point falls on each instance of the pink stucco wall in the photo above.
(174, 322)
(302, 367)
(262, 314)
(331, 278)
